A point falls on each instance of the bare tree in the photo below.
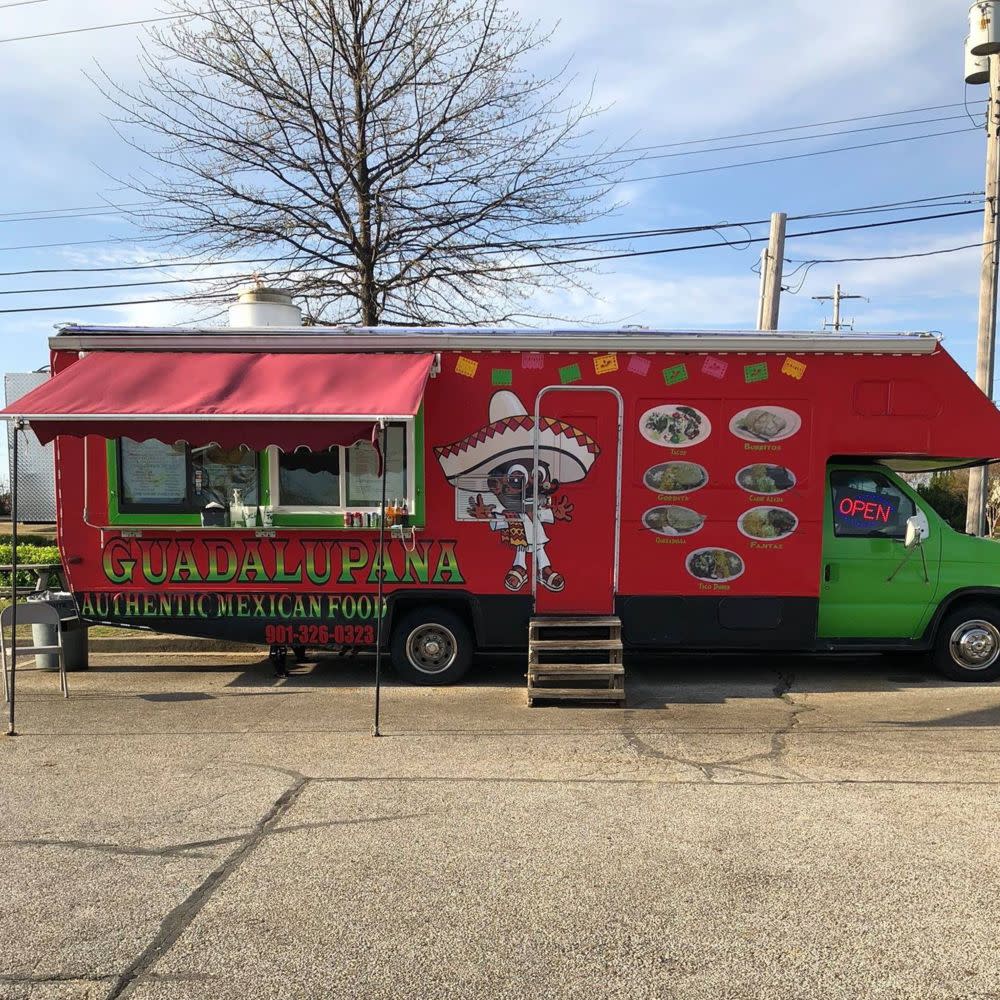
(392, 160)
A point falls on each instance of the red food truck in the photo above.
(707, 491)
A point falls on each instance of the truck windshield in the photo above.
(868, 505)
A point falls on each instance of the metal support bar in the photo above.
(16, 428)
(381, 585)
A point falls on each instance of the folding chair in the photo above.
(35, 613)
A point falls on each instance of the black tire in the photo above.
(300, 653)
(431, 646)
(967, 644)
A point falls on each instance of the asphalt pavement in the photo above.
(186, 826)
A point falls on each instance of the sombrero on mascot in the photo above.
(510, 436)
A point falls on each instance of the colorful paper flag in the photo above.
(503, 376)
(605, 364)
(793, 368)
(715, 367)
(756, 373)
(571, 373)
(678, 373)
(467, 367)
(639, 366)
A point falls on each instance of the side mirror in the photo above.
(914, 532)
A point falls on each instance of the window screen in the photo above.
(868, 505)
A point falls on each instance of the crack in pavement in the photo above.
(54, 977)
(191, 848)
(709, 769)
(181, 916)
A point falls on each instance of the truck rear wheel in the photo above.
(431, 646)
(967, 646)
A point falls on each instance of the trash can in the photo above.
(76, 649)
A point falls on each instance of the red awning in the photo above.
(288, 400)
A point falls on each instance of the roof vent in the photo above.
(262, 306)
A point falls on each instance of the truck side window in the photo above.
(174, 478)
(868, 505)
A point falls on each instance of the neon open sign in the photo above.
(860, 509)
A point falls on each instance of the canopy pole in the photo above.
(381, 585)
(16, 428)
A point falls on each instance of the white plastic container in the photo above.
(984, 28)
(977, 68)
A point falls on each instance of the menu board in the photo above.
(153, 472)
(364, 486)
(693, 485)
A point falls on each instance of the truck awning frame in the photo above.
(257, 400)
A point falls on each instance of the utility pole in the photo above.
(772, 266)
(975, 523)
(837, 297)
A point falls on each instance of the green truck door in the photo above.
(863, 527)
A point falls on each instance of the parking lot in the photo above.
(187, 826)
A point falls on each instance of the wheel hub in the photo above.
(431, 648)
(975, 645)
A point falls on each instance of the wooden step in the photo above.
(581, 644)
(575, 694)
(575, 622)
(611, 669)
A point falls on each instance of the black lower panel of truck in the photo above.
(719, 622)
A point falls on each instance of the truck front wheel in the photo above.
(431, 646)
(967, 646)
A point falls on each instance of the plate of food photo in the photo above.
(767, 523)
(676, 477)
(674, 425)
(715, 565)
(767, 480)
(765, 423)
(673, 520)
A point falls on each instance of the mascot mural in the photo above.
(493, 468)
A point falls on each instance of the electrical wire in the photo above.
(126, 302)
(506, 268)
(795, 156)
(795, 128)
(163, 265)
(21, 3)
(117, 24)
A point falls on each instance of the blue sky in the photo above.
(670, 71)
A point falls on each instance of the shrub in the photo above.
(27, 553)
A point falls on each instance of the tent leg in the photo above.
(381, 586)
(16, 428)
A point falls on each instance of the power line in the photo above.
(77, 243)
(118, 24)
(795, 156)
(72, 208)
(792, 138)
(796, 128)
(126, 302)
(21, 3)
(516, 267)
(95, 27)
(552, 243)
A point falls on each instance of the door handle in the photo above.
(827, 574)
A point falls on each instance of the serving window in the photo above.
(342, 478)
(160, 484)
(157, 478)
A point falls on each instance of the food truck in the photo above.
(708, 491)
